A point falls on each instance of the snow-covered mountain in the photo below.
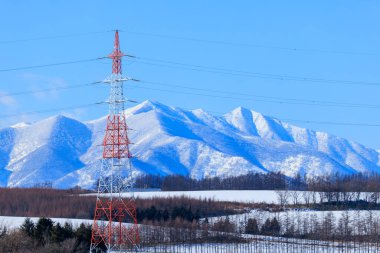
(170, 140)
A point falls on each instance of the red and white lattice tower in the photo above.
(115, 224)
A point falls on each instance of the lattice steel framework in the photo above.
(115, 224)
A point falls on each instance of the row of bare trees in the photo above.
(348, 183)
(357, 231)
(37, 202)
(343, 226)
(324, 200)
(352, 226)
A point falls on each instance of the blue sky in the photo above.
(324, 39)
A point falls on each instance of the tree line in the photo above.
(37, 202)
(260, 181)
(285, 232)
(251, 181)
(348, 226)
(361, 192)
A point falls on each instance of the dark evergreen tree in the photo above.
(68, 230)
(266, 228)
(271, 227)
(252, 227)
(275, 226)
(58, 233)
(43, 230)
(83, 236)
(165, 215)
(3, 231)
(28, 227)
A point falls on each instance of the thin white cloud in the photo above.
(7, 100)
(8, 105)
(40, 82)
(76, 113)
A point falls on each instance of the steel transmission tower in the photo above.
(115, 224)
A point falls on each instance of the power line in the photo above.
(57, 36)
(227, 97)
(231, 43)
(260, 98)
(52, 64)
(235, 72)
(243, 96)
(286, 120)
(333, 123)
(48, 89)
(220, 42)
(280, 100)
(49, 110)
(193, 67)
(276, 99)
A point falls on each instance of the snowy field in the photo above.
(243, 196)
(295, 214)
(230, 195)
(261, 216)
(11, 222)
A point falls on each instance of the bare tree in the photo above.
(328, 225)
(295, 195)
(314, 197)
(374, 198)
(321, 197)
(283, 197)
(345, 225)
(307, 196)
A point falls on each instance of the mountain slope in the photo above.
(46, 151)
(170, 140)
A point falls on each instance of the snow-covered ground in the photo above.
(227, 195)
(242, 196)
(261, 215)
(11, 222)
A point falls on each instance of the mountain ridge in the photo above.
(170, 140)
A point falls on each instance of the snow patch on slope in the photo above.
(21, 125)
